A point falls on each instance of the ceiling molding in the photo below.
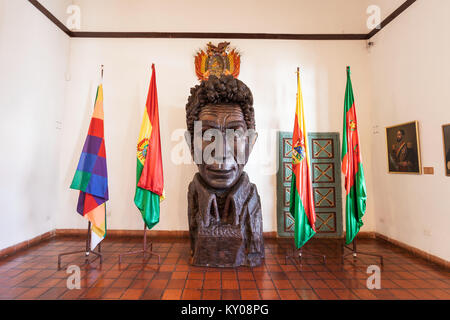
(391, 17)
(51, 17)
(211, 35)
(214, 35)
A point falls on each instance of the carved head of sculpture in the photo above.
(221, 129)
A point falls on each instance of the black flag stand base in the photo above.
(86, 252)
(144, 250)
(298, 254)
(354, 252)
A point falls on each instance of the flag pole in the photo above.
(143, 251)
(89, 240)
(353, 250)
(86, 252)
(298, 253)
(88, 249)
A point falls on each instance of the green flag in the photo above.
(149, 170)
(352, 168)
(302, 202)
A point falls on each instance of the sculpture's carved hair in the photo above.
(226, 90)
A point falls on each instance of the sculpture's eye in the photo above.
(236, 127)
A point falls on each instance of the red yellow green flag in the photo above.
(302, 202)
(352, 168)
(149, 171)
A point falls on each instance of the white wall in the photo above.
(281, 16)
(268, 68)
(33, 60)
(410, 71)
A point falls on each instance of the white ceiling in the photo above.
(265, 16)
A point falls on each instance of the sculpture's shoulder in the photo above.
(192, 196)
(193, 185)
(254, 189)
(253, 200)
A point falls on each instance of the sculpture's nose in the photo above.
(227, 149)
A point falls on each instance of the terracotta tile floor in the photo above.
(33, 274)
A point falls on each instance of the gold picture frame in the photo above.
(403, 148)
(446, 144)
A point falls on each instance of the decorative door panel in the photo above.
(326, 179)
(324, 197)
(323, 172)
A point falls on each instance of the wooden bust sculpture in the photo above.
(224, 209)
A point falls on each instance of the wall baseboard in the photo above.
(125, 233)
(9, 251)
(417, 252)
(140, 233)
(365, 235)
(182, 234)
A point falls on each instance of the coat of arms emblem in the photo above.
(217, 60)
(298, 153)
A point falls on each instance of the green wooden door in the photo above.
(326, 181)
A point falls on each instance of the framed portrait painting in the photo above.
(403, 148)
(446, 137)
